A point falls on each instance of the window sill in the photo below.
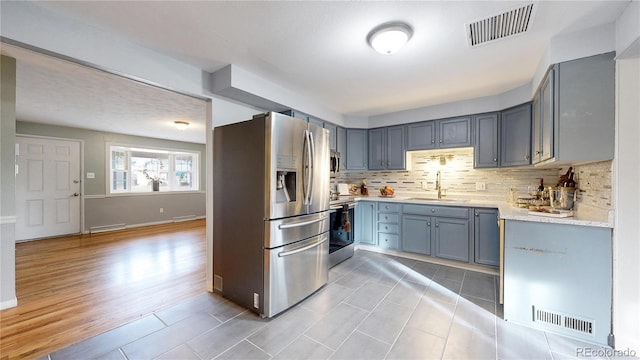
(145, 194)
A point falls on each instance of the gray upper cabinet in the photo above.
(333, 140)
(435, 134)
(421, 136)
(573, 112)
(454, 132)
(341, 146)
(357, 153)
(487, 141)
(486, 237)
(318, 122)
(515, 136)
(387, 148)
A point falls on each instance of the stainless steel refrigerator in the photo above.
(271, 211)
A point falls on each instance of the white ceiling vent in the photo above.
(500, 26)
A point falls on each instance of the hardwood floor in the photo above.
(72, 288)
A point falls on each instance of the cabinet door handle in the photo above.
(495, 159)
(440, 141)
(433, 141)
(429, 223)
(386, 218)
(477, 214)
(436, 224)
(526, 157)
(538, 152)
(433, 210)
(386, 228)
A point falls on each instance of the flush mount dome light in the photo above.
(390, 37)
(180, 124)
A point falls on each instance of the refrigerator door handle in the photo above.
(308, 167)
(301, 223)
(301, 249)
(312, 156)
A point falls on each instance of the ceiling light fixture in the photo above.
(180, 124)
(390, 37)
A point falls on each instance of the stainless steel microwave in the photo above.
(334, 162)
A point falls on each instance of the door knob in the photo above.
(76, 194)
(75, 181)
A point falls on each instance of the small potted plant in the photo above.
(155, 180)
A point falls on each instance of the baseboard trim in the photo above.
(116, 227)
(9, 303)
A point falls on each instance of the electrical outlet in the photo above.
(161, 210)
(91, 175)
(256, 300)
(481, 186)
(424, 185)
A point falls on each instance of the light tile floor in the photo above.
(375, 307)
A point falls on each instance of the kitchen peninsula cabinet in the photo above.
(487, 142)
(574, 112)
(387, 148)
(515, 136)
(357, 154)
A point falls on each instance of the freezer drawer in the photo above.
(287, 231)
(294, 272)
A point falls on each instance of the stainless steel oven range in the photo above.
(341, 237)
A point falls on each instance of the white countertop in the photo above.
(506, 210)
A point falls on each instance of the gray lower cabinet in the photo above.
(357, 153)
(365, 231)
(486, 237)
(451, 237)
(388, 225)
(416, 234)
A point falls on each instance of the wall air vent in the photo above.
(500, 26)
(563, 321)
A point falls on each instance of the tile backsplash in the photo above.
(459, 178)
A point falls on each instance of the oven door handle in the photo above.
(301, 249)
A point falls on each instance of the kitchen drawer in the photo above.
(388, 207)
(389, 218)
(431, 210)
(389, 241)
(388, 228)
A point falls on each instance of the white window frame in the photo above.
(170, 153)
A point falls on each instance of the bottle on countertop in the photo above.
(541, 186)
(570, 182)
(363, 188)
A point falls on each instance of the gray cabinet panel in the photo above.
(547, 116)
(388, 241)
(451, 237)
(333, 141)
(396, 148)
(454, 132)
(416, 234)
(515, 136)
(377, 149)
(315, 121)
(487, 141)
(365, 225)
(585, 109)
(356, 149)
(341, 146)
(486, 237)
(421, 136)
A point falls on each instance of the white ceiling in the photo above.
(318, 49)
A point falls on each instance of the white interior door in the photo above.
(47, 188)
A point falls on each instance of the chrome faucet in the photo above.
(439, 184)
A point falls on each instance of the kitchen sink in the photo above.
(436, 199)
